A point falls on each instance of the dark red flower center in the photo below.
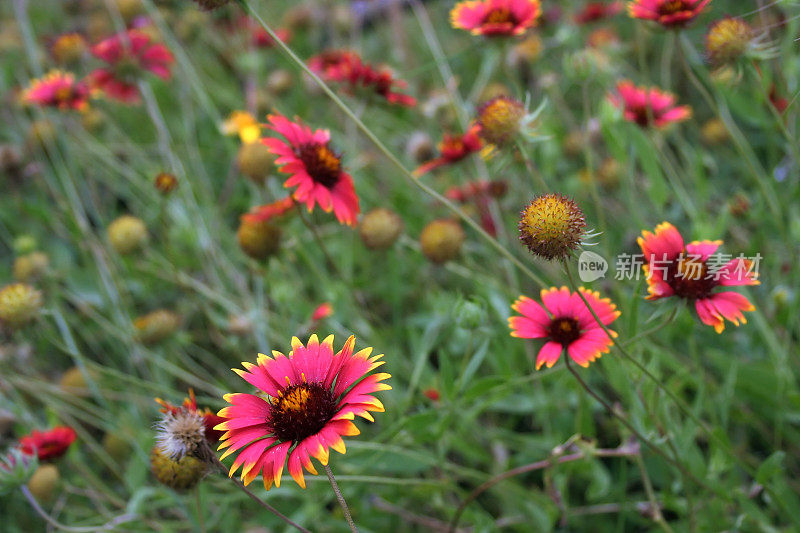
(642, 115)
(322, 164)
(301, 411)
(670, 7)
(500, 16)
(565, 330)
(688, 277)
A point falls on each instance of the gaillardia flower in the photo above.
(314, 168)
(692, 272)
(306, 404)
(566, 323)
(454, 148)
(594, 11)
(551, 226)
(648, 106)
(57, 89)
(50, 444)
(500, 118)
(668, 13)
(495, 17)
(127, 54)
(730, 39)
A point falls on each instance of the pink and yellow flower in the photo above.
(668, 13)
(648, 106)
(314, 168)
(127, 54)
(57, 89)
(690, 272)
(454, 148)
(494, 18)
(566, 323)
(346, 66)
(306, 403)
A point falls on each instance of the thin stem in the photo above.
(658, 517)
(385, 151)
(212, 457)
(320, 243)
(622, 451)
(340, 498)
(198, 505)
(108, 526)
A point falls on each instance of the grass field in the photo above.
(150, 242)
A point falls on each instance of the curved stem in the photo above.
(340, 499)
(385, 151)
(108, 526)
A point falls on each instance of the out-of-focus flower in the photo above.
(480, 193)
(594, 11)
(322, 311)
(156, 326)
(19, 304)
(16, 469)
(692, 272)
(668, 13)
(30, 266)
(262, 39)
(493, 18)
(346, 66)
(380, 228)
(57, 89)
(441, 240)
(551, 226)
(128, 54)
(648, 106)
(566, 323)
(165, 182)
(313, 167)
(255, 161)
(243, 124)
(68, 48)
(270, 211)
(127, 234)
(50, 444)
(500, 119)
(432, 394)
(306, 404)
(730, 39)
(454, 148)
(258, 237)
(44, 482)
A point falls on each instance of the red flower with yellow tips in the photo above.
(493, 18)
(57, 89)
(453, 149)
(668, 13)
(306, 403)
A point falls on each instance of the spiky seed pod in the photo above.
(30, 266)
(258, 238)
(551, 226)
(127, 234)
(500, 119)
(208, 5)
(180, 433)
(180, 475)
(19, 304)
(380, 228)
(255, 161)
(441, 240)
(727, 40)
(44, 482)
(156, 326)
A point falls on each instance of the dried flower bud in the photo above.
(441, 240)
(380, 228)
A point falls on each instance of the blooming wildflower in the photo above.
(57, 89)
(565, 322)
(243, 124)
(500, 119)
(441, 240)
(312, 396)
(19, 304)
(346, 66)
(648, 106)
(314, 168)
(454, 148)
(127, 54)
(594, 11)
(551, 226)
(668, 13)
(165, 182)
(323, 310)
(210, 419)
(493, 18)
(50, 444)
(689, 272)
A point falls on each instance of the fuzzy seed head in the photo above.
(180, 433)
(19, 304)
(182, 474)
(727, 40)
(551, 226)
(156, 326)
(255, 161)
(500, 119)
(258, 238)
(380, 228)
(127, 234)
(30, 266)
(441, 240)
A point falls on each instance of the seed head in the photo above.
(551, 226)
(127, 234)
(156, 326)
(727, 40)
(500, 119)
(380, 228)
(258, 238)
(441, 240)
(19, 304)
(182, 474)
(181, 433)
(255, 161)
